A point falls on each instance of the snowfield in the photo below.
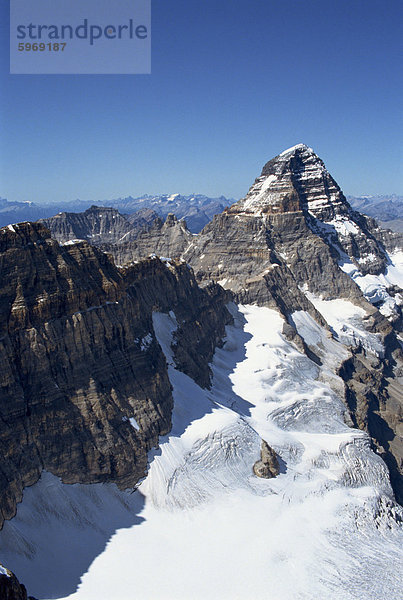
(202, 526)
(375, 287)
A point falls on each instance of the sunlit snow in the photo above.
(375, 287)
(204, 527)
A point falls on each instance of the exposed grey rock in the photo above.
(267, 246)
(395, 225)
(374, 399)
(285, 238)
(267, 467)
(390, 239)
(99, 225)
(167, 239)
(195, 209)
(289, 235)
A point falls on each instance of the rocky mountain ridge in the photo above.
(10, 587)
(197, 209)
(99, 225)
(294, 239)
(79, 359)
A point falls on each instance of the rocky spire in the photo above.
(295, 180)
(295, 186)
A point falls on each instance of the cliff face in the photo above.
(295, 217)
(84, 387)
(85, 391)
(128, 238)
(167, 238)
(99, 225)
(297, 180)
(10, 587)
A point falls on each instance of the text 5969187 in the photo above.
(42, 47)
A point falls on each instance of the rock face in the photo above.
(128, 238)
(78, 355)
(167, 239)
(373, 394)
(79, 359)
(297, 181)
(10, 587)
(267, 467)
(294, 221)
(99, 225)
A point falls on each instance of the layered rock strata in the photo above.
(373, 394)
(84, 388)
(167, 239)
(99, 225)
(294, 219)
(294, 235)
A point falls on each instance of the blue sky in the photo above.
(233, 83)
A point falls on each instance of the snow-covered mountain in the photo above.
(279, 474)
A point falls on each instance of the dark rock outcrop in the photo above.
(11, 588)
(374, 400)
(267, 467)
(79, 358)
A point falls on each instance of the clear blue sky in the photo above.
(234, 82)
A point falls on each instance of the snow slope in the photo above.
(375, 287)
(203, 526)
(346, 322)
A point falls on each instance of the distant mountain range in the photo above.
(388, 210)
(196, 209)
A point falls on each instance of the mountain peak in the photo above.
(295, 180)
(295, 148)
(295, 159)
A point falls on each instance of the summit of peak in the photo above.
(295, 180)
(303, 156)
(293, 149)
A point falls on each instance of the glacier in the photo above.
(201, 525)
